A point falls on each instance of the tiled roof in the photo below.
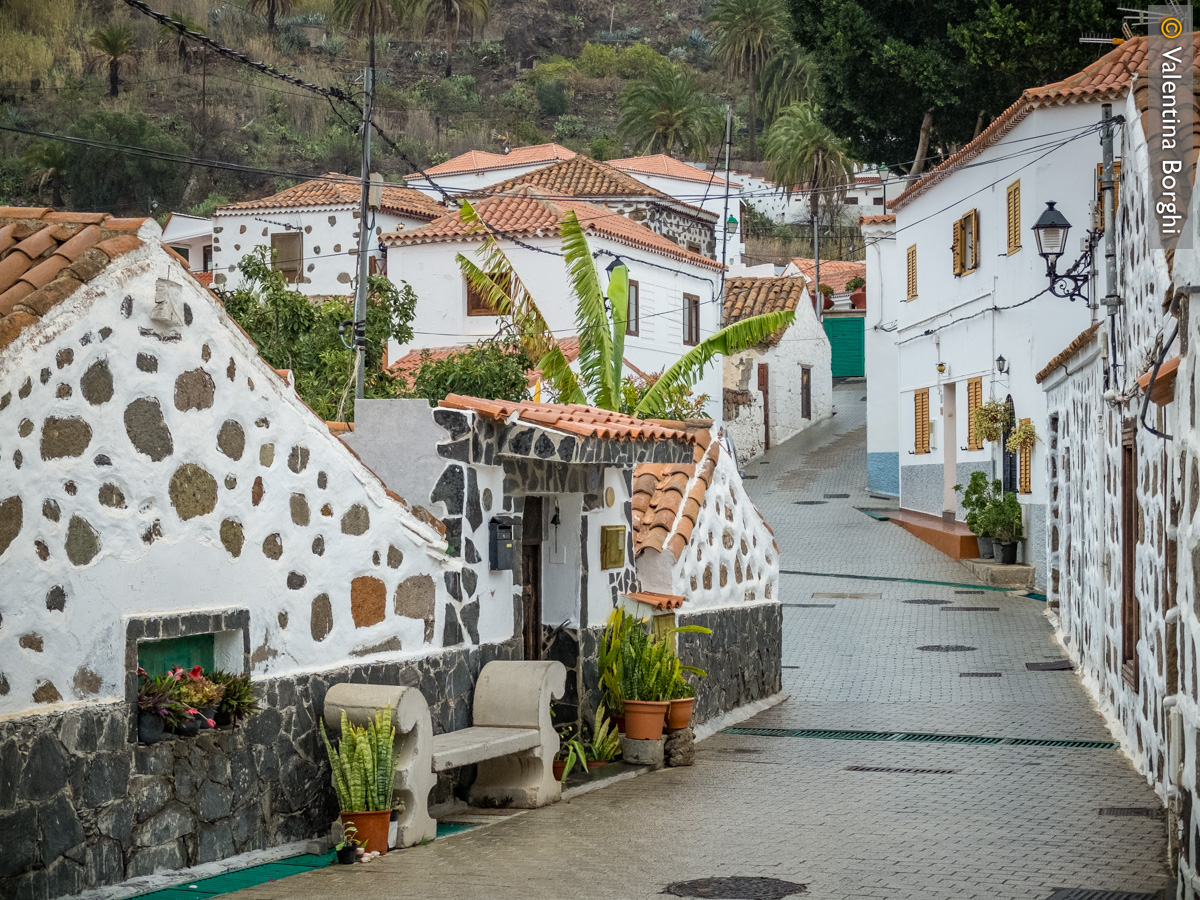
(1106, 79)
(745, 297)
(526, 212)
(205, 278)
(45, 256)
(670, 167)
(835, 273)
(333, 189)
(574, 418)
(406, 366)
(877, 220)
(481, 160)
(667, 499)
(1081, 340)
(653, 598)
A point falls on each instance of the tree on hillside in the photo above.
(748, 32)
(789, 76)
(668, 113)
(370, 17)
(272, 9)
(180, 44)
(601, 332)
(115, 48)
(108, 179)
(450, 16)
(902, 77)
(48, 164)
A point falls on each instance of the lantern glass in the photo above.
(1050, 232)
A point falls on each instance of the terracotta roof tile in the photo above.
(575, 418)
(745, 297)
(669, 167)
(527, 212)
(834, 272)
(1081, 340)
(877, 220)
(334, 189)
(481, 160)
(45, 256)
(667, 499)
(653, 598)
(1106, 79)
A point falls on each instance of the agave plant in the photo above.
(363, 770)
(601, 334)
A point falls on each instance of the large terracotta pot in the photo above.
(680, 713)
(372, 828)
(644, 719)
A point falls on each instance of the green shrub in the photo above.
(602, 147)
(456, 94)
(489, 53)
(553, 67)
(115, 181)
(598, 60)
(493, 371)
(553, 96)
(638, 61)
(204, 209)
(569, 127)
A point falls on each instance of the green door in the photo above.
(845, 335)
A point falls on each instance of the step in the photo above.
(992, 573)
(952, 538)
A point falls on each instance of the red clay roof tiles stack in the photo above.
(834, 272)
(334, 189)
(574, 418)
(45, 256)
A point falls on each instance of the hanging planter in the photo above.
(992, 419)
(1023, 437)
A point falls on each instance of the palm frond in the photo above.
(591, 318)
(729, 340)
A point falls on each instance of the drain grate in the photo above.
(828, 595)
(947, 648)
(837, 496)
(1057, 665)
(974, 740)
(1144, 812)
(927, 601)
(810, 502)
(971, 609)
(1085, 894)
(789, 667)
(978, 674)
(968, 592)
(891, 771)
(749, 477)
(809, 605)
(743, 888)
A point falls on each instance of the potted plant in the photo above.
(571, 753)
(616, 631)
(347, 847)
(977, 496)
(683, 700)
(159, 708)
(238, 700)
(646, 670)
(1005, 519)
(200, 696)
(364, 777)
(1022, 437)
(992, 419)
(605, 745)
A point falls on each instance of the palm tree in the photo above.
(47, 163)
(370, 17)
(601, 335)
(272, 9)
(180, 43)
(452, 15)
(789, 76)
(115, 45)
(747, 33)
(668, 113)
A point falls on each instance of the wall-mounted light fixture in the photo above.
(1050, 232)
(941, 367)
(731, 224)
(1001, 364)
(556, 520)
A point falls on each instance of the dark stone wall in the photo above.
(82, 807)
(743, 656)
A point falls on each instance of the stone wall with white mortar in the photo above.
(166, 469)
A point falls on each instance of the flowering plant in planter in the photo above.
(238, 700)
(200, 695)
(159, 706)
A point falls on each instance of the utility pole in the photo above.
(725, 215)
(364, 231)
(1111, 300)
(816, 214)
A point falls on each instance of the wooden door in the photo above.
(805, 392)
(764, 386)
(531, 578)
(1131, 620)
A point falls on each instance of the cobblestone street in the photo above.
(977, 821)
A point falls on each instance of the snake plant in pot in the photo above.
(364, 776)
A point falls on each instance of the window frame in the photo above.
(1025, 467)
(921, 426)
(911, 273)
(479, 308)
(691, 319)
(1012, 212)
(974, 401)
(633, 314)
(294, 274)
(965, 244)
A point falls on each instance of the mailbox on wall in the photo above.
(500, 545)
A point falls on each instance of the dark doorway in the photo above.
(1131, 616)
(531, 575)
(764, 385)
(1008, 459)
(805, 392)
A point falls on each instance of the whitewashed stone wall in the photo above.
(167, 470)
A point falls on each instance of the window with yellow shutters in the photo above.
(1013, 213)
(974, 401)
(921, 420)
(912, 273)
(1025, 481)
(966, 243)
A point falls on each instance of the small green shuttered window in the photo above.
(157, 657)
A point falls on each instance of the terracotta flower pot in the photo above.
(559, 767)
(619, 723)
(644, 719)
(372, 828)
(680, 713)
(597, 763)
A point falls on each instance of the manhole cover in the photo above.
(971, 609)
(810, 502)
(1058, 665)
(890, 771)
(1085, 894)
(736, 888)
(1145, 812)
(978, 674)
(946, 648)
(927, 602)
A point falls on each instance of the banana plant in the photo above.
(601, 332)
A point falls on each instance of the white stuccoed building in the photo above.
(312, 231)
(882, 360)
(477, 169)
(965, 286)
(192, 238)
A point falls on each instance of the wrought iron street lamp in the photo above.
(731, 224)
(1050, 232)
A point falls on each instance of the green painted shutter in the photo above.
(157, 657)
(846, 343)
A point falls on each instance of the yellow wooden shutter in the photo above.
(957, 245)
(974, 401)
(921, 420)
(912, 273)
(1025, 479)
(973, 224)
(1014, 216)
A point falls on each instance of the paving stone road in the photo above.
(991, 822)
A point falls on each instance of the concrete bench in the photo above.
(512, 741)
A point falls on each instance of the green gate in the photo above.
(845, 335)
